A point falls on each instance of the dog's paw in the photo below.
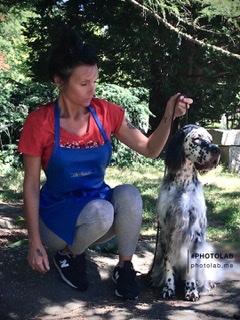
(192, 295)
(168, 292)
(191, 291)
(206, 286)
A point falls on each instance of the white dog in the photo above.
(182, 211)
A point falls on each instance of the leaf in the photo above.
(18, 243)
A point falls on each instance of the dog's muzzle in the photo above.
(213, 161)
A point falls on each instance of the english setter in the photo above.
(181, 210)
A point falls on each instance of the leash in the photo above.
(172, 131)
(175, 122)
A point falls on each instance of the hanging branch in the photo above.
(185, 35)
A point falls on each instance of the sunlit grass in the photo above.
(221, 189)
(222, 194)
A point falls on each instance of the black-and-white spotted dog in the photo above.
(181, 210)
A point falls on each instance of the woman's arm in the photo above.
(152, 146)
(37, 256)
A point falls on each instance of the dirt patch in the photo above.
(27, 295)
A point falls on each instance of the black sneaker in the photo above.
(72, 269)
(125, 279)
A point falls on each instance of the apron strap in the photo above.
(99, 124)
(57, 123)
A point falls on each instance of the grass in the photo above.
(221, 188)
(222, 195)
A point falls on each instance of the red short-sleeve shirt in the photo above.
(37, 137)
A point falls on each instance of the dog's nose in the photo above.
(214, 149)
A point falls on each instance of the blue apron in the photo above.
(74, 178)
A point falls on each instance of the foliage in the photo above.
(149, 54)
(185, 17)
(11, 119)
(204, 54)
(11, 183)
(13, 47)
(12, 79)
(16, 101)
(135, 102)
(153, 52)
(225, 8)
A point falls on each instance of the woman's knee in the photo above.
(127, 196)
(127, 190)
(99, 213)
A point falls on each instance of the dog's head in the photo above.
(192, 143)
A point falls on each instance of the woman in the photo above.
(70, 140)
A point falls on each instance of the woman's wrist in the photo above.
(166, 118)
(34, 240)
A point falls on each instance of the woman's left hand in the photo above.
(182, 104)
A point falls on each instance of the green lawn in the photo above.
(222, 193)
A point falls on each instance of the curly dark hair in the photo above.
(68, 52)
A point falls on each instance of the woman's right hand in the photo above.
(37, 257)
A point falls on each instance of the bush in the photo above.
(16, 101)
(135, 101)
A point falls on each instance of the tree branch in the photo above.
(185, 35)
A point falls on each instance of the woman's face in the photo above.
(79, 89)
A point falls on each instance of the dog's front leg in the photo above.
(169, 287)
(191, 290)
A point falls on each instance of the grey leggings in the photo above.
(100, 220)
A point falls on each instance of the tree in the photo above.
(150, 48)
(18, 93)
(206, 53)
(183, 15)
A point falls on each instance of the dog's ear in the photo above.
(174, 156)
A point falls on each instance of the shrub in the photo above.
(135, 102)
(16, 101)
